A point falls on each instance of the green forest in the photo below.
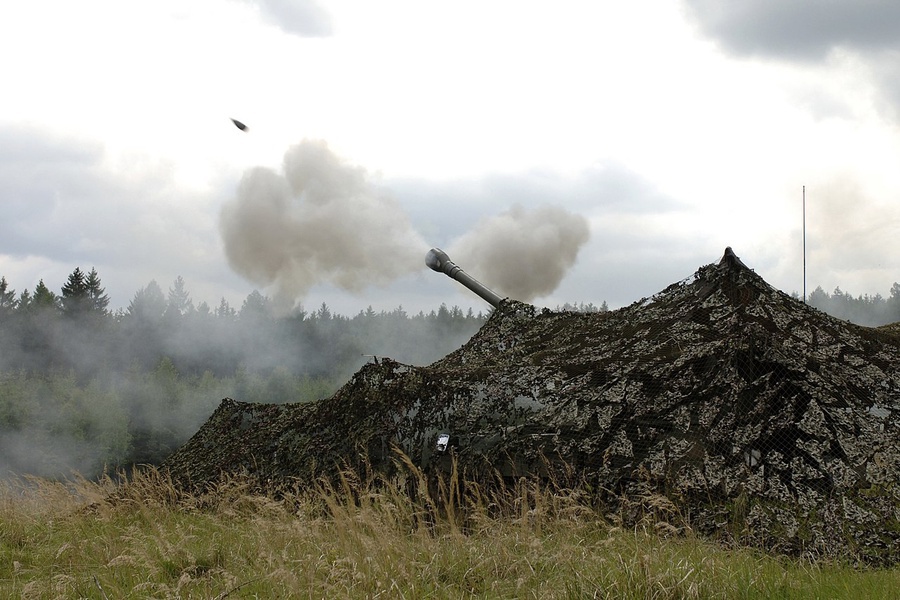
(84, 389)
(87, 390)
(864, 309)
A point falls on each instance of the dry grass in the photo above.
(352, 539)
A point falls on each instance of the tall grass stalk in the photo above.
(360, 537)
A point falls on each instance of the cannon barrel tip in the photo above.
(437, 260)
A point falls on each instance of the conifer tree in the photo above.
(7, 297)
(24, 301)
(148, 303)
(43, 297)
(84, 294)
(75, 294)
(324, 313)
(893, 304)
(180, 302)
(256, 307)
(96, 293)
(224, 311)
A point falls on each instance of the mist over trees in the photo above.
(83, 388)
(867, 310)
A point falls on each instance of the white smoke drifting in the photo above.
(319, 221)
(522, 254)
(323, 221)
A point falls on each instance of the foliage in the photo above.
(863, 310)
(145, 538)
(55, 424)
(8, 300)
(82, 388)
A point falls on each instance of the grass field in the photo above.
(145, 539)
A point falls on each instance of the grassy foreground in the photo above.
(145, 539)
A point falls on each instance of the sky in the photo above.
(575, 152)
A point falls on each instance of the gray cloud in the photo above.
(62, 206)
(44, 179)
(805, 30)
(887, 73)
(442, 210)
(813, 33)
(26, 145)
(305, 18)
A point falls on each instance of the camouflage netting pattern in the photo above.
(764, 422)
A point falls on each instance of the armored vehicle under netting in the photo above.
(758, 417)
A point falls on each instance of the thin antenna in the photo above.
(804, 244)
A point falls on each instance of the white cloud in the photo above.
(118, 150)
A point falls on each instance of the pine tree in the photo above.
(179, 299)
(203, 309)
(43, 297)
(324, 313)
(893, 304)
(148, 303)
(24, 301)
(255, 307)
(98, 299)
(75, 294)
(8, 300)
(224, 311)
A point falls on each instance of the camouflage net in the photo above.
(759, 420)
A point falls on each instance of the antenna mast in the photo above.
(804, 244)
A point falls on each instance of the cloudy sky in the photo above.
(611, 147)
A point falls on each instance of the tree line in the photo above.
(45, 332)
(867, 310)
(86, 388)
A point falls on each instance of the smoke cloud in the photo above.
(319, 221)
(523, 254)
(322, 220)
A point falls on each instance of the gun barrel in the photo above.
(437, 260)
